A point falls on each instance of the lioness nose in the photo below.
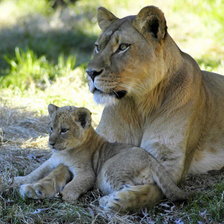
(92, 73)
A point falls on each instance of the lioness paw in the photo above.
(69, 195)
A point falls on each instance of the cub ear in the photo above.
(151, 20)
(105, 18)
(83, 116)
(51, 109)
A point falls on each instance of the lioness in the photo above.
(123, 172)
(155, 95)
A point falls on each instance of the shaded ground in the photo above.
(24, 147)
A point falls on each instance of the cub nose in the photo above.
(92, 73)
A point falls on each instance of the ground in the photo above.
(24, 147)
(44, 53)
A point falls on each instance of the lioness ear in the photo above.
(105, 18)
(151, 20)
(83, 116)
(51, 109)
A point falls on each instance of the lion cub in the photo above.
(127, 175)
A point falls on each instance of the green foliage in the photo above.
(27, 69)
(29, 7)
(209, 64)
(36, 62)
(210, 11)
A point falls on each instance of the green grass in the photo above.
(204, 207)
(51, 44)
(18, 211)
(207, 206)
(35, 52)
(26, 69)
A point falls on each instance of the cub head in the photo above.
(68, 126)
(128, 58)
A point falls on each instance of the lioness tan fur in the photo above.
(155, 95)
(126, 174)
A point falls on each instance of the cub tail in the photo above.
(164, 180)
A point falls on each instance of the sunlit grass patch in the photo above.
(210, 12)
(69, 89)
(26, 69)
(12, 10)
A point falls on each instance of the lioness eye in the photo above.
(64, 130)
(123, 47)
(51, 129)
(97, 48)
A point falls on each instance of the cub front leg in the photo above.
(34, 176)
(48, 186)
(80, 184)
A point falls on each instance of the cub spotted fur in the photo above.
(127, 175)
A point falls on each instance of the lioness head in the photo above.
(128, 57)
(68, 126)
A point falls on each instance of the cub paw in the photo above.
(19, 180)
(34, 191)
(110, 203)
(27, 191)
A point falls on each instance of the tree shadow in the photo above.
(47, 36)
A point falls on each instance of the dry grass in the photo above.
(34, 101)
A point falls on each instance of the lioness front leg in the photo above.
(34, 176)
(48, 186)
(80, 184)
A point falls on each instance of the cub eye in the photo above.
(64, 130)
(123, 47)
(51, 129)
(97, 49)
